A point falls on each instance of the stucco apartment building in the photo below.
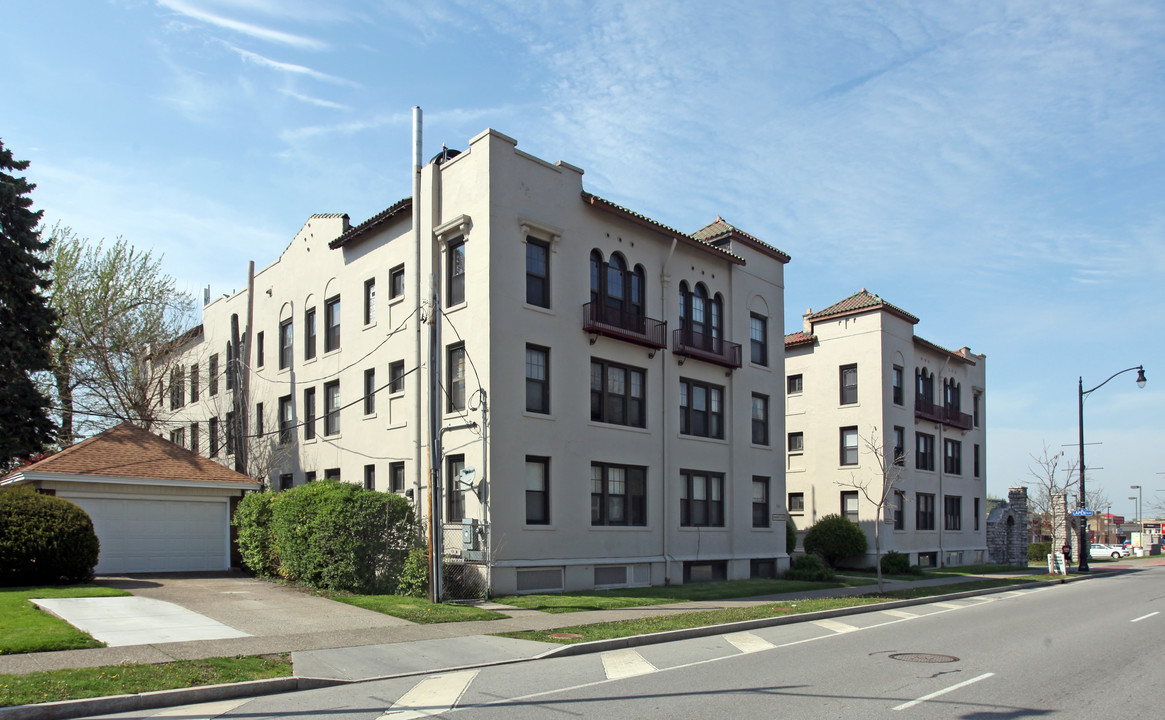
(857, 376)
(608, 388)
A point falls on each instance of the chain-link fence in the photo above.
(465, 561)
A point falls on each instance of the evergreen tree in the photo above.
(27, 323)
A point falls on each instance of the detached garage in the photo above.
(156, 506)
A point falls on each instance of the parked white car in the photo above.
(1097, 551)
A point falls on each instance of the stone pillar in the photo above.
(1063, 531)
(1017, 541)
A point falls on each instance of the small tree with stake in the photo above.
(877, 490)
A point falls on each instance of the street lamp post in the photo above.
(1083, 543)
(1140, 516)
(1134, 499)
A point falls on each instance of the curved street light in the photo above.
(1083, 526)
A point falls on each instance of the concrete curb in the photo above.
(161, 698)
(63, 710)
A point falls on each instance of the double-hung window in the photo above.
(760, 419)
(332, 408)
(369, 301)
(259, 349)
(952, 457)
(285, 344)
(332, 324)
(537, 273)
(212, 430)
(537, 490)
(396, 477)
(924, 457)
(618, 394)
(194, 382)
(758, 332)
(952, 512)
(309, 413)
(285, 421)
(212, 374)
(924, 511)
(794, 384)
(177, 387)
(370, 391)
(396, 376)
(537, 379)
(796, 502)
(848, 377)
(849, 505)
(309, 334)
(396, 282)
(701, 409)
(369, 477)
(796, 442)
(701, 499)
(455, 378)
(899, 510)
(899, 457)
(618, 494)
(760, 501)
(454, 490)
(455, 272)
(896, 384)
(849, 445)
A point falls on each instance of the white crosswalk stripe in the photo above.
(901, 614)
(835, 626)
(746, 642)
(203, 711)
(949, 606)
(627, 663)
(431, 696)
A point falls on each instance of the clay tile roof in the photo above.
(861, 302)
(631, 215)
(720, 230)
(956, 355)
(128, 451)
(371, 223)
(799, 338)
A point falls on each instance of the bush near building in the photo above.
(790, 536)
(1039, 551)
(44, 540)
(811, 568)
(896, 563)
(835, 539)
(328, 535)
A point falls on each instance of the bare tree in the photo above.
(877, 490)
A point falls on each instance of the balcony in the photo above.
(631, 327)
(708, 348)
(941, 414)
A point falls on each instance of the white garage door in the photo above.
(139, 535)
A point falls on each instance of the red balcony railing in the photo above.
(635, 328)
(941, 414)
(706, 347)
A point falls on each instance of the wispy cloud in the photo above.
(289, 68)
(255, 31)
(318, 102)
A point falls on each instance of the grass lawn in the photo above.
(939, 573)
(639, 597)
(417, 610)
(680, 621)
(54, 685)
(25, 628)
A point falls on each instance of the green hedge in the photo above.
(1038, 552)
(835, 538)
(810, 568)
(328, 535)
(44, 540)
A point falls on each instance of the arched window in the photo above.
(715, 316)
(701, 317)
(924, 385)
(617, 293)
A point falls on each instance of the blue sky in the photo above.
(994, 168)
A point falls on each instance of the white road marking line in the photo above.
(431, 696)
(746, 642)
(619, 664)
(951, 606)
(204, 711)
(901, 614)
(1145, 616)
(935, 694)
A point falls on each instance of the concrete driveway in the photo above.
(256, 607)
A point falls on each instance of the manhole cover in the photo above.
(924, 657)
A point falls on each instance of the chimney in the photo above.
(806, 325)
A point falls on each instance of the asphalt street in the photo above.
(1076, 650)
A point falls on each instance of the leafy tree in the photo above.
(835, 538)
(27, 323)
(120, 316)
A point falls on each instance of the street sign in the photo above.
(1083, 513)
